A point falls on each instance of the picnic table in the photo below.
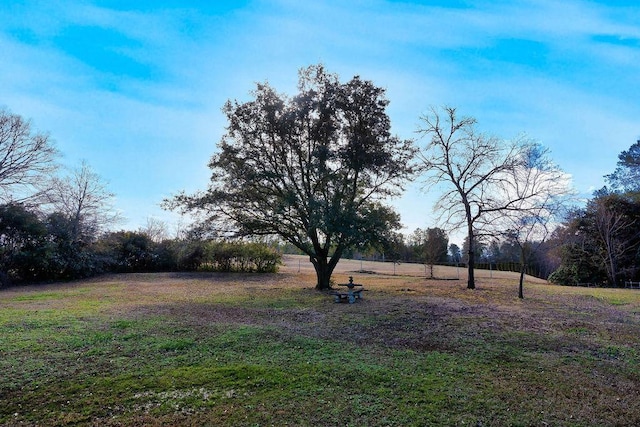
(354, 292)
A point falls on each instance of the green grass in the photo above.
(219, 352)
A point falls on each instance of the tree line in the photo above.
(316, 171)
(38, 248)
(56, 224)
(599, 244)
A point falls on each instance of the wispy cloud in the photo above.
(137, 91)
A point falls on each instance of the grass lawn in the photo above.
(254, 350)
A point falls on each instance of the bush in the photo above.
(241, 257)
(34, 249)
(126, 251)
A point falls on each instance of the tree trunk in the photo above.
(323, 272)
(612, 265)
(471, 283)
(523, 267)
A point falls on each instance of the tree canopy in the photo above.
(26, 157)
(313, 169)
(600, 244)
(626, 177)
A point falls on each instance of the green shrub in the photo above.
(241, 257)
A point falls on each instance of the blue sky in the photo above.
(136, 88)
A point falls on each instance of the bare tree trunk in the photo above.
(609, 224)
(521, 285)
(471, 264)
(471, 282)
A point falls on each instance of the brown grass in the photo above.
(561, 356)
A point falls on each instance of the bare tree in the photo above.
(156, 229)
(474, 167)
(610, 226)
(26, 157)
(83, 198)
(535, 195)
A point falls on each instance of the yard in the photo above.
(243, 349)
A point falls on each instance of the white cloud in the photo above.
(157, 132)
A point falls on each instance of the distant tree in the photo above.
(83, 198)
(626, 177)
(312, 169)
(74, 257)
(156, 229)
(475, 167)
(601, 243)
(26, 157)
(509, 250)
(480, 248)
(493, 251)
(577, 249)
(615, 220)
(535, 195)
(394, 248)
(435, 248)
(415, 244)
(454, 253)
(126, 251)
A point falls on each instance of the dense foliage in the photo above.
(313, 169)
(44, 248)
(600, 244)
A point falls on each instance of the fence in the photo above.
(300, 263)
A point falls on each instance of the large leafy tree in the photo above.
(313, 169)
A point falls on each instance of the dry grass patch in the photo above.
(246, 349)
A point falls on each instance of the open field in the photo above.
(249, 350)
(301, 264)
